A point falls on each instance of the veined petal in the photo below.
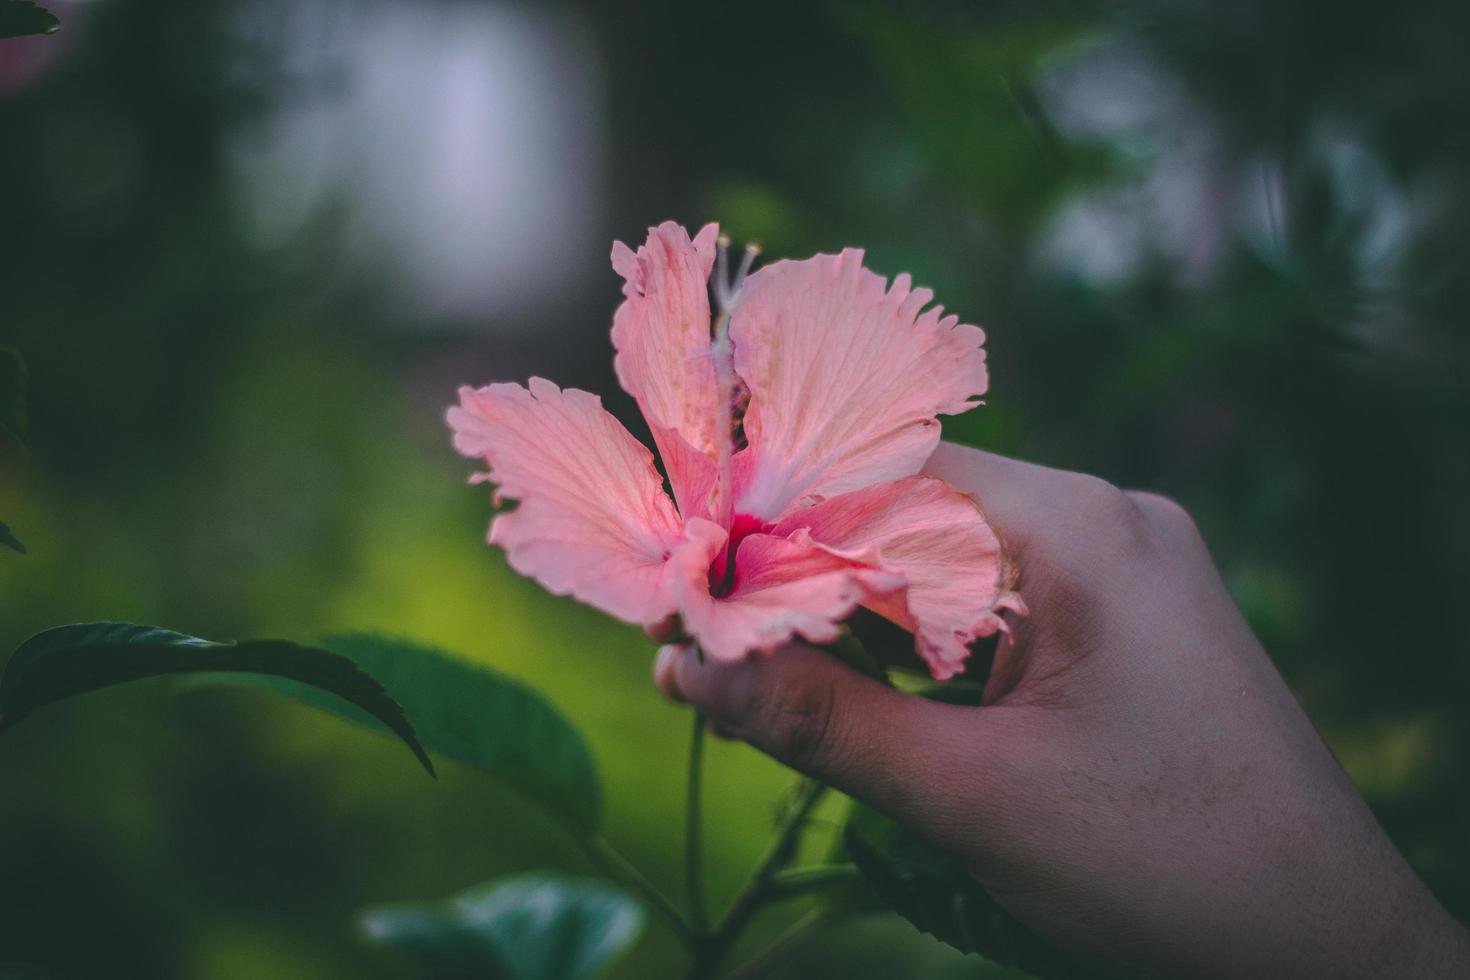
(846, 379)
(593, 520)
(662, 335)
(783, 588)
(937, 539)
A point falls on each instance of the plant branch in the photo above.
(693, 849)
(799, 881)
(711, 949)
(799, 932)
(616, 865)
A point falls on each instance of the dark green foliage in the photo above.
(967, 97)
(69, 660)
(530, 927)
(932, 889)
(9, 971)
(21, 17)
(473, 714)
(8, 538)
(13, 414)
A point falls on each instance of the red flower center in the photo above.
(722, 569)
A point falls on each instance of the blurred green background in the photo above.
(249, 247)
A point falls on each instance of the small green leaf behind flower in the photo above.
(527, 927)
(69, 660)
(19, 18)
(851, 650)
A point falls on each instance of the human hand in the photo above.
(1139, 787)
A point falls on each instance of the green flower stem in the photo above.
(611, 860)
(710, 949)
(693, 850)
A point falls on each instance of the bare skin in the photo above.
(1140, 787)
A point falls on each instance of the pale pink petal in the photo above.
(593, 520)
(662, 335)
(691, 473)
(845, 377)
(937, 539)
(783, 588)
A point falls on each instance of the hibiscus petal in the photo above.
(783, 588)
(593, 520)
(937, 539)
(662, 335)
(845, 379)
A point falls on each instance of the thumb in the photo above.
(915, 759)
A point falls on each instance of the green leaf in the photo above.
(851, 650)
(21, 17)
(13, 377)
(69, 660)
(9, 539)
(475, 715)
(529, 927)
(965, 694)
(930, 887)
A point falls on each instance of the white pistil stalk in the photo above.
(727, 295)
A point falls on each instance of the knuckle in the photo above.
(1172, 524)
(1111, 515)
(1165, 512)
(798, 721)
(1099, 499)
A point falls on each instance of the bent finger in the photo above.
(920, 761)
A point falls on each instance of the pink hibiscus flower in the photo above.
(792, 431)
